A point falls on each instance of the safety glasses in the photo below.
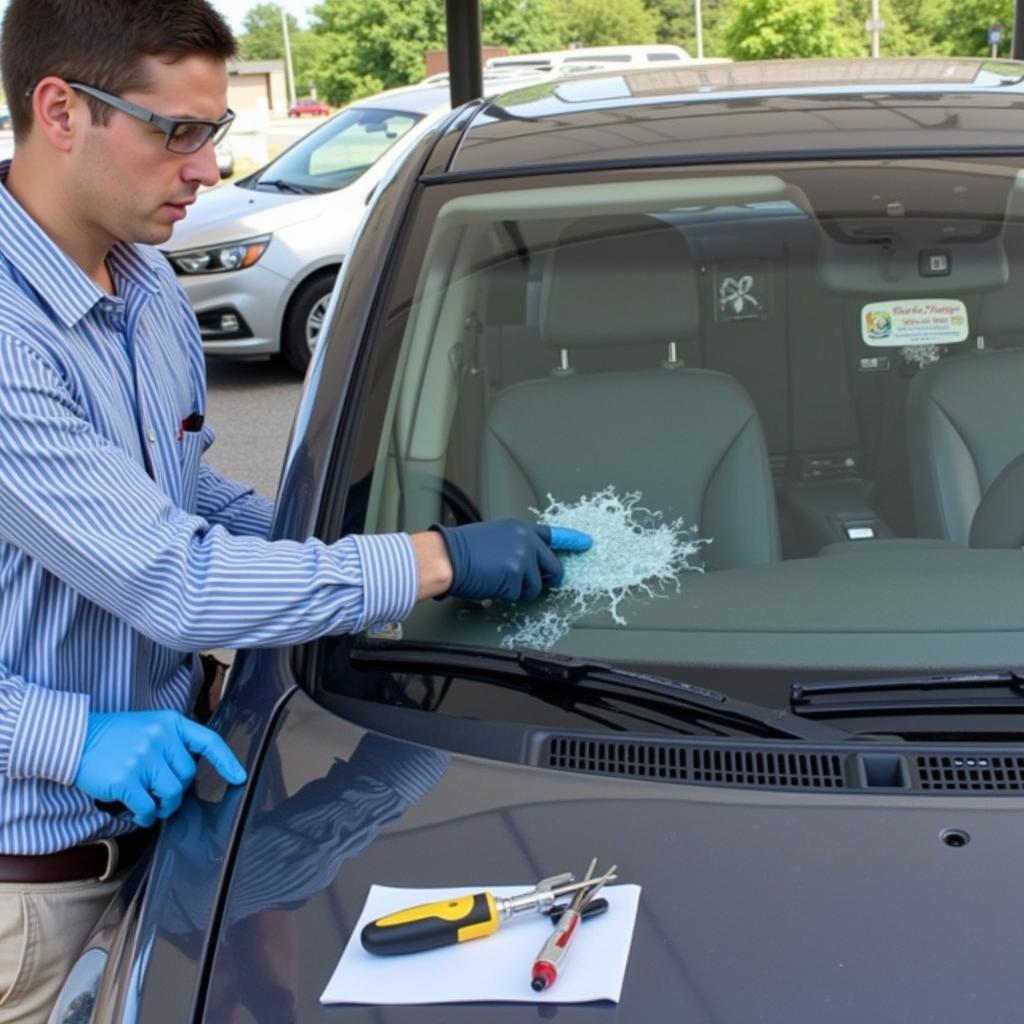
(184, 134)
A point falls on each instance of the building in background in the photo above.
(257, 91)
(437, 60)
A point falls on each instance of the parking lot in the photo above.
(251, 406)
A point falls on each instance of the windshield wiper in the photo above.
(973, 692)
(523, 668)
(282, 186)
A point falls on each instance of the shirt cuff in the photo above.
(390, 577)
(49, 735)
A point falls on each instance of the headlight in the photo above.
(220, 258)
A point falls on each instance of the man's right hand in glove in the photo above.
(507, 559)
(143, 759)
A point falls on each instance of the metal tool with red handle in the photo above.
(552, 954)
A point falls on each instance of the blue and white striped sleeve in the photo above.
(42, 731)
(237, 507)
(86, 512)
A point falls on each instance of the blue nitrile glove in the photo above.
(144, 760)
(508, 558)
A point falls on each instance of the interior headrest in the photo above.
(619, 280)
(1000, 312)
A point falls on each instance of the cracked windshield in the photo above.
(779, 398)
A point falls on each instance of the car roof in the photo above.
(435, 95)
(417, 99)
(757, 110)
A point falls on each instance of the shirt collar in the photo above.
(58, 280)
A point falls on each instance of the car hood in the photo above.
(231, 213)
(756, 905)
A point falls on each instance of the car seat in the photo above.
(964, 427)
(689, 440)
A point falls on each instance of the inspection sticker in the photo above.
(914, 322)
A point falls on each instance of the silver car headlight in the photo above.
(219, 259)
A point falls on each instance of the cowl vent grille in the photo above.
(976, 773)
(722, 766)
(750, 768)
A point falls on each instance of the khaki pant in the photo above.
(43, 928)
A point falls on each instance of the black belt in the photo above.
(99, 859)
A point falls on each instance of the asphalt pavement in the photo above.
(251, 405)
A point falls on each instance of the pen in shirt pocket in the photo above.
(191, 424)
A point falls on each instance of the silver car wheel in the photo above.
(315, 322)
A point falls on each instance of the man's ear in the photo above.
(58, 112)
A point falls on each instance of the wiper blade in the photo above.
(974, 692)
(282, 186)
(524, 667)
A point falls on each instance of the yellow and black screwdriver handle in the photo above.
(431, 925)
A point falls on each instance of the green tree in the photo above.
(766, 29)
(600, 23)
(677, 24)
(898, 39)
(263, 39)
(961, 26)
(379, 44)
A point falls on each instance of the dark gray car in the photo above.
(755, 326)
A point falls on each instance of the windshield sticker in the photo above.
(634, 552)
(914, 322)
(743, 291)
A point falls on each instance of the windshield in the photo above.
(776, 395)
(338, 152)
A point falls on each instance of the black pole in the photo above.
(465, 68)
(1017, 49)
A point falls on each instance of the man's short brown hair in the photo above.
(100, 43)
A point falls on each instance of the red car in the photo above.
(314, 107)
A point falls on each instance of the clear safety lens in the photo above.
(190, 137)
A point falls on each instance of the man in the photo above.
(120, 552)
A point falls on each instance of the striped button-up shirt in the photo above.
(121, 552)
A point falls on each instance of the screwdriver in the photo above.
(554, 951)
(446, 922)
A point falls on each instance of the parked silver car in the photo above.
(259, 257)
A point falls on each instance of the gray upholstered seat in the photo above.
(688, 440)
(965, 425)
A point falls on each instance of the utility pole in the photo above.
(1017, 45)
(465, 65)
(289, 73)
(874, 25)
(700, 30)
